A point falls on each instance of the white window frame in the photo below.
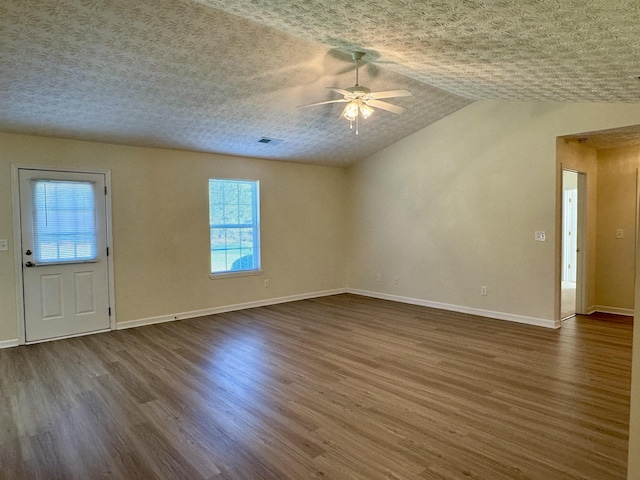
(38, 234)
(255, 225)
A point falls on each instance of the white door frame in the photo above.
(581, 270)
(581, 259)
(17, 241)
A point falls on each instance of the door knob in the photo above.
(29, 264)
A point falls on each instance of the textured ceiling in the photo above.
(561, 50)
(612, 138)
(217, 75)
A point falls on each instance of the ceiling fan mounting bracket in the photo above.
(359, 91)
(357, 55)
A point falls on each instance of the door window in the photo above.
(64, 223)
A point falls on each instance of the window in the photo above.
(64, 223)
(234, 221)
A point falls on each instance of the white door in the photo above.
(570, 234)
(64, 253)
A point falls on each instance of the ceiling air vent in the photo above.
(270, 141)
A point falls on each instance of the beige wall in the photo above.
(574, 156)
(160, 226)
(616, 210)
(611, 204)
(455, 206)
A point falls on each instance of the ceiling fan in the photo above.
(361, 101)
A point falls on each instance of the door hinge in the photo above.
(105, 189)
(107, 251)
(109, 311)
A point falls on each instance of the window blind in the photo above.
(64, 223)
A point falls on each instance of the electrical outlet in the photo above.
(484, 291)
(396, 280)
(4, 244)
(266, 283)
(378, 277)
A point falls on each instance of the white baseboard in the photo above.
(9, 343)
(540, 322)
(613, 310)
(590, 310)
(226, 308)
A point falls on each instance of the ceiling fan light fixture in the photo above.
(351, 111)
(366, 110)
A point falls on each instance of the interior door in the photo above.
(570, 237)
(64, 253)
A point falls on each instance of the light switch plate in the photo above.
(619, 233)
(541, 236)
(4, 244)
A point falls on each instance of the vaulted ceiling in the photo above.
(218, 75)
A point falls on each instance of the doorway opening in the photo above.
(572, 280)
(64, 266)
(606, 167)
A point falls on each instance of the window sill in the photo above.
(243, 273)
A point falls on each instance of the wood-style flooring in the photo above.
(341, 387)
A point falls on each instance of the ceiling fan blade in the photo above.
(340, 100)
(385, 106)
(390, 94)
(339, 90)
